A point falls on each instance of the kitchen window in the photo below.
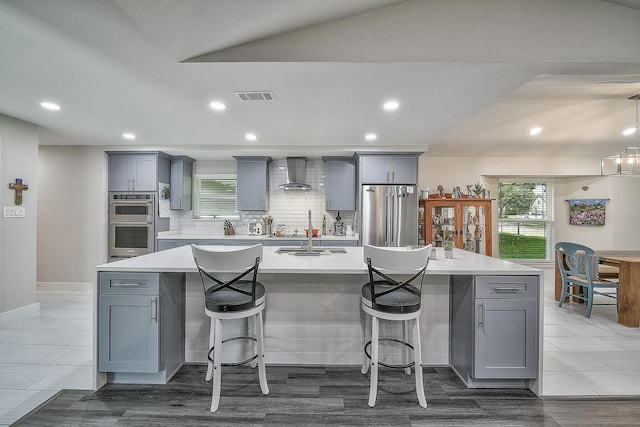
(525, 219)
(215, 196)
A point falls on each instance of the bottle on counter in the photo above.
(324, 225)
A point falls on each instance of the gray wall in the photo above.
(18, 159)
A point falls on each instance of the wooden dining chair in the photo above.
(578, 266)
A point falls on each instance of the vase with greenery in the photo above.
(447, 245)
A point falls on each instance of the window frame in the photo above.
(197, 194)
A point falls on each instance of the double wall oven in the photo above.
(131, 224)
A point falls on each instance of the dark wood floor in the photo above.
(323, 396)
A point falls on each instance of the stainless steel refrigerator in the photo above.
(389, 215)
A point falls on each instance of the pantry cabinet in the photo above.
(465, 221)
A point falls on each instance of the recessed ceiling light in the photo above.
(251, 137)
(391, 105)
(371, 137)
(51, 106)
(535, 131)
(629, 131)
(217, 105)
(129, 135)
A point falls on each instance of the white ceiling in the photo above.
(472, 77)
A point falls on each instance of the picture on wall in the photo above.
(587, 211)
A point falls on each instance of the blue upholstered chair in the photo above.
(390, 296)
(231, 291)
(578, 265)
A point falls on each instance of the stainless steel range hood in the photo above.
(296, 174)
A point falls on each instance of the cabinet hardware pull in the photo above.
(126, 284)
(154, 309)
(499, 289)
(481, 322)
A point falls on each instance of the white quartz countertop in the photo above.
(204, 235)
(180, 259)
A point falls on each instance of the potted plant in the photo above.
(447, 245)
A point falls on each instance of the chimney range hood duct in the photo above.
(296, 174)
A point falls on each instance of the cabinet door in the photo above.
(341, 186)
(145, 173)
(374, 170)
(181, 184)
(128, 331)
(506, 338)
(120, 173)
(252, 185)
(403, 170)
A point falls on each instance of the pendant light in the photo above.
(626, 163)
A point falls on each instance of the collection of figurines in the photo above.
(476, 190)
(443, 230)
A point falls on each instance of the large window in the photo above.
(525, 219)
(215, 196)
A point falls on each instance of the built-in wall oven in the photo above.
(131, 224)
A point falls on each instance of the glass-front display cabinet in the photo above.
(465, 221)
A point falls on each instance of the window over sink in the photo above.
(215, 196)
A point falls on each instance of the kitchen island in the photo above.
(313, 314)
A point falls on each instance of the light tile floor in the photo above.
(53, 351)
(46, 353)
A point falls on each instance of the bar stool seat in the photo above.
(228, 295)
(387, 298)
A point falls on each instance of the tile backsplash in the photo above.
(285, 207)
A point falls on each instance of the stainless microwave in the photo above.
(131, 208)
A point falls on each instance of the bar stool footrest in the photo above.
(244, 362)
(390, 365)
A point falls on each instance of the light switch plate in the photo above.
(13, 212)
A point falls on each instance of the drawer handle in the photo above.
(498, 289)
(123, 284)
(154, 309)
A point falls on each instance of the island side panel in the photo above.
(316, 319)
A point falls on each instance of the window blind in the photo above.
(216, 195)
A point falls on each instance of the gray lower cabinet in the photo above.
(494, 329)
(164, 244)
(337, 243)
(141, 320)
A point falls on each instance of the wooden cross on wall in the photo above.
(19, 187)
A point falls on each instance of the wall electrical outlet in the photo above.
(13, 212)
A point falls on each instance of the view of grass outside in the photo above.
(525, 220)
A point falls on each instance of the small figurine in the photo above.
(469, 192)
(441, 191)
(457, 194)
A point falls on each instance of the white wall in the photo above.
(18, 159)
(569, 174)
(72, 213)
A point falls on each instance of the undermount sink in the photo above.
(302, 251)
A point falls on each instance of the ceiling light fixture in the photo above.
(51, 106)
(535, 131)
(626, 163)
(128, 135)
(629, 131)
(391, 105)
(371, 137)
(251, 137)
(217, 105)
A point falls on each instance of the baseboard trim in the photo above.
(19, 314)
(64, 287)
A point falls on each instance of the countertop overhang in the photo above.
(180, 259)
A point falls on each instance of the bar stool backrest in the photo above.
(215, 259)
(397, 259)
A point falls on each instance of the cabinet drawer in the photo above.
(506, 286)
(129, 283)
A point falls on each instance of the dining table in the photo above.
(628, 264)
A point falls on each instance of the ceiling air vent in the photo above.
(256, 95)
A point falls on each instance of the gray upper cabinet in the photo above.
(181, 182)
(137, 171)
(388, 169)
(340, 184)
(253, 183)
